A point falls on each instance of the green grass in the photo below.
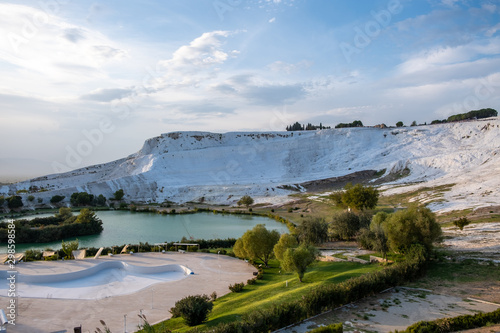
(272, 290)
(466, 271)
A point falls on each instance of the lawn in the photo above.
(276, 287)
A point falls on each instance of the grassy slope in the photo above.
(272, 289)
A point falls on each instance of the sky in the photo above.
(87, 82)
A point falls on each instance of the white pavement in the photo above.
(112, 293)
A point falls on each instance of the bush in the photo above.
(334, 328)
(461, 223)
(194, 309)
(237, 287)
(456, 323)
(192, 248)
(31, 198)
(14, 201)
(32, 255)
(251, 281)
(57, 198)
(245, 200)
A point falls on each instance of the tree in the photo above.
(31, 198)
(64, 213)
(69, 247)
(257, 243)
(312, 231)
(345, 226)
(2, 200)
(14, 202)
(399, 124)
(360, 197)
(56, 199)
(285, 242)
(118, 195)
(298, 259)
(101, 200)
(81, 199)
(245, 200)
(415, 225)
(461, 222)
(379, 241)
(194, 309)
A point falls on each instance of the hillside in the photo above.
(220, 168)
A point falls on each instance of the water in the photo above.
(123, 227)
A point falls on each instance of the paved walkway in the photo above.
(211, 273)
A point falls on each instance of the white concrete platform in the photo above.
(56, 296)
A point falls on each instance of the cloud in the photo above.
(203, 51)
(281, 66)
(261, 93)
(272, 20)
(107, 95)
(48, 47)
(108, 52)
(74, 35)
(474, 59)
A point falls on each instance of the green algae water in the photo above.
(124, 227)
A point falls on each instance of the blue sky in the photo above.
(87, 82)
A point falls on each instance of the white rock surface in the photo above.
(186, 166)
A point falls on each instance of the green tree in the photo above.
(194, 309)
(461, 222)
(399, 124)
(14, 202)
(298, 259)
(56, 199)
(69, 247)
(415, 225)
(81, 199)
(31, 198)
(101, 200)
(118, 195)
(379, 241)
(285, 242)
(414, 123)
(360, 197)
(245, 200)
(2, 200)
(345, 226)
(312, 231)
(257, 243)
(64, 213)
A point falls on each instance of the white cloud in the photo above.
(36, 43)
(272, 20)
(281, 66)
(439, 58)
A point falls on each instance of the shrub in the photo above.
(32, 255)
(213, 296)
(237, 287)
(194, 309)
(14, 201)
(31, 198)
(334, 328)
(251, 281)
(245, 200)
(56, 199)
(456, 323)
(461, 222)
(221, 251)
